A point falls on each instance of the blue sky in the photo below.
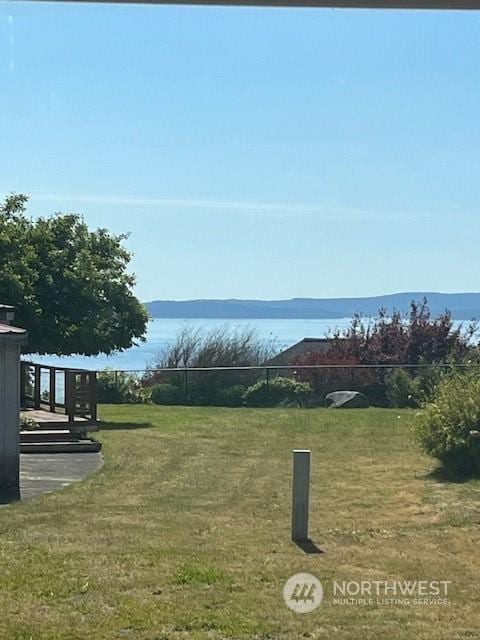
(262, 153)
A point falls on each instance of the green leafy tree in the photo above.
(70, 285)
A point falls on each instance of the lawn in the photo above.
(185, 531)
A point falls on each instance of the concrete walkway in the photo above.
(43, 472)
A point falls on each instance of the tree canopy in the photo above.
(70, 285)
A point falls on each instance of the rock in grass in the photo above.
(346, 400)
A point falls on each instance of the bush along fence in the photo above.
(270, 386)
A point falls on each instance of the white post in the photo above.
(300, 494)
(10, 345)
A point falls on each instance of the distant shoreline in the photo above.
(463, 306)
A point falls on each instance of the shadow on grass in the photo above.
(452, 474)
(308, 546)
(120, 426)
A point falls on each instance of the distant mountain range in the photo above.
(463, 306)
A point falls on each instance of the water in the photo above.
(163, 331)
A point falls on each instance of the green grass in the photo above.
(185, 531)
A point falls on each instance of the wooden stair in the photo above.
(57, 441)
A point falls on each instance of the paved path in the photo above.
(43, 472)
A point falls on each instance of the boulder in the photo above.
(346, 400)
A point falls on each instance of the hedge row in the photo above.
(398, 388)
(122, 388)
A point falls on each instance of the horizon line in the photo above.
(382, 295)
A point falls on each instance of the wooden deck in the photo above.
(55, 395)
(63, 404)
(46, 419)
(55, 433)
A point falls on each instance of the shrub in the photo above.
(376, 392)
(426, 382)
(145, 395)
(279, 391)
(117, 387)
(401, 389)
(165, 393)
(27, 423)
(443, 429)
(412, 388)
(343, 375)
(231, 396)
(393, 338)
(218, 347)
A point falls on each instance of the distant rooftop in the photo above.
(305, 347)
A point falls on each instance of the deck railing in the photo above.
(72, 392)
